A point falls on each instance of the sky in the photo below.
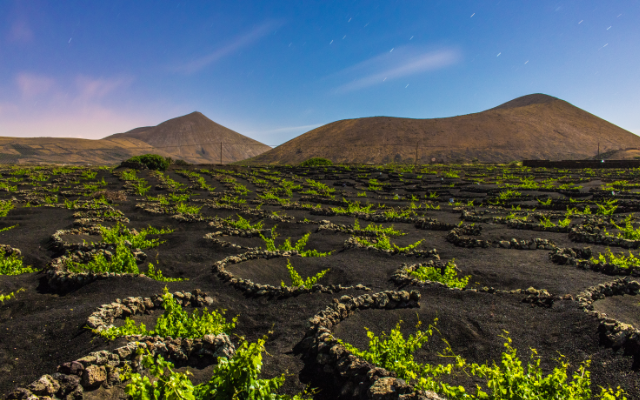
(272, 70)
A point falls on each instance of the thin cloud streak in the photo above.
(238, 43)
(31, 85)
(97, 88)
(391, 66)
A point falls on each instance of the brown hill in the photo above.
(536, 126)
(197, 139)
(47, 150)
(625, 154)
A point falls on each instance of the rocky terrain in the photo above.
(546, 253)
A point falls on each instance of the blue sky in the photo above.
(273, 70)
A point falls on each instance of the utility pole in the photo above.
(220, 153)
(416, 163)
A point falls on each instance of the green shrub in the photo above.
(119, 233)
(286, 246)
(175, 322)
(233, 379)
(152, 161)
(509, 380)
(10, 296)
(448, 276)
(383, 243)
(12, 265)
(620, 260)
(122, 262)
(297, 281)
(316, 162)
(378, 229)
(242, 223)
(5, 207)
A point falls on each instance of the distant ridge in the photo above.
(196, 139)
(48, 150)
(535, 126)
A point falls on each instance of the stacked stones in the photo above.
(8, 250)
(354, 376)
(581, 258)
(256, 289)
(533, 244)
(618, 334)
(223, 229)
(212, 237)
(327, 212)
(59, 278)
(352, 243)
(181, 217)
(432, 224)
(579, 234)
(538, 297)
(102, 368)
(326, 225)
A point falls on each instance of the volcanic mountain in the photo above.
(196, 139)
(535, 126)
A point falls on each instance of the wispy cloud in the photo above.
(236, 44)
(402, 62)
(97, 88)
(81, 105)
(32, 85)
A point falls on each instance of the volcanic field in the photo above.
(529, 240)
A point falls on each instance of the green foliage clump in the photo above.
(152, 161)
(379, 229)
(352, 208)
(156, 274)
(233, 379)
(448, 275)
(119, 233)
(297, 281)
(12, 264)
(242, 223)
(316, 162)
(184, 208)
(319, 188)
(383, 243)
(175, 322)
(508, 380)
(286, 246)
(7, 228)
(608, 208)
(4, 297)
(122, 262)
(619, 261)
(5, 207)
(627, 231)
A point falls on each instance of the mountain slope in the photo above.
(196, 139)
(536, 126)
(71, 151)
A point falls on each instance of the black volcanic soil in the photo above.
(40, 329)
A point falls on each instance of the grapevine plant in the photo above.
(12, 264)
(507, 380)
(297, 281)
(175, 322)
(447, 275)
(286, 246)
